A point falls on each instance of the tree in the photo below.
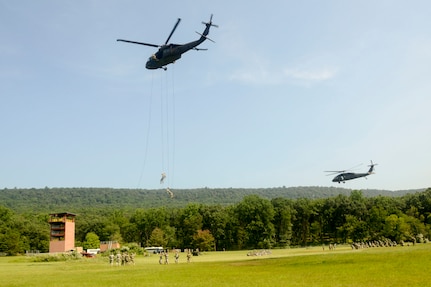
(302, 221)
(255, 215)
(189, 222)
(214, 219)
(158, 238)
(145, 221)
(203, 240)
(91, 241)
(283, 221)
(354, 229)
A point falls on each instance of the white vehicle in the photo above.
(154, 250)
(93, 251)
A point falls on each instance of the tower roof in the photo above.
(62, 214)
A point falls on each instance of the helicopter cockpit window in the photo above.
(153, 57)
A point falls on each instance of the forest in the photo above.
(75, 199)
(255, 221)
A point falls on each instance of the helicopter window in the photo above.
(153, 57)
(159, 54)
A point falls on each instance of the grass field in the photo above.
(391, 266)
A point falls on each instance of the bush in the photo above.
(56, 257)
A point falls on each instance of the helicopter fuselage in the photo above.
(348, 176)
(168, 54)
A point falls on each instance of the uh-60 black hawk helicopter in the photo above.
(343, 175)
(169, 53)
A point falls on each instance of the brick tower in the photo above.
(62, 234)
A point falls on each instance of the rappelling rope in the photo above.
(167, 121)
(168, 128)
(162, 127)
(173, 126)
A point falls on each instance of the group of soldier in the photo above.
(259, 252)
(383, 243)
(165, 255)
(122, 259)
(376, 243)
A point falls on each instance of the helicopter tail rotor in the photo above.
(372, 164)
(210, 23)
(371, 170)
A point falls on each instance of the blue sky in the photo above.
(289, 89)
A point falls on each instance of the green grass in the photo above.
(396, 266)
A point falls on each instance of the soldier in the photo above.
(111, 259)
(161, 258)
(166, 257)
(132, 258)
(189, 255)
(118, 259)
(171, 194)
(163, 178)
(123, 259)
(177, 256)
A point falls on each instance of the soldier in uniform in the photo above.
(166, 257)
(162, 179)
(171, 194)
(189, 255)
(161, 258)
(118, 259)
(177, 256)
(123, 259)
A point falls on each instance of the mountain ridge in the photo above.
(79, 198)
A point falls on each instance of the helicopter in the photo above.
(343, 175)
(169, 53)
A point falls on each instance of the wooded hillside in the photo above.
(216, 218)
(76, 199)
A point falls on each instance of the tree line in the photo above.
(254, 222)
(60, 199)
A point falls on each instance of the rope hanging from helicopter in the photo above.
(167, 128)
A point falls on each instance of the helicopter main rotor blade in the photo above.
(332, 172)
(173, 30)
(354, 167)
(139, 43)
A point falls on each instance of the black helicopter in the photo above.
(343, 175)
(169, 53)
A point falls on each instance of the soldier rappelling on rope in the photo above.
(171, 194)
(162, 179)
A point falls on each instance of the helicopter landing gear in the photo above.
(165, 68)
